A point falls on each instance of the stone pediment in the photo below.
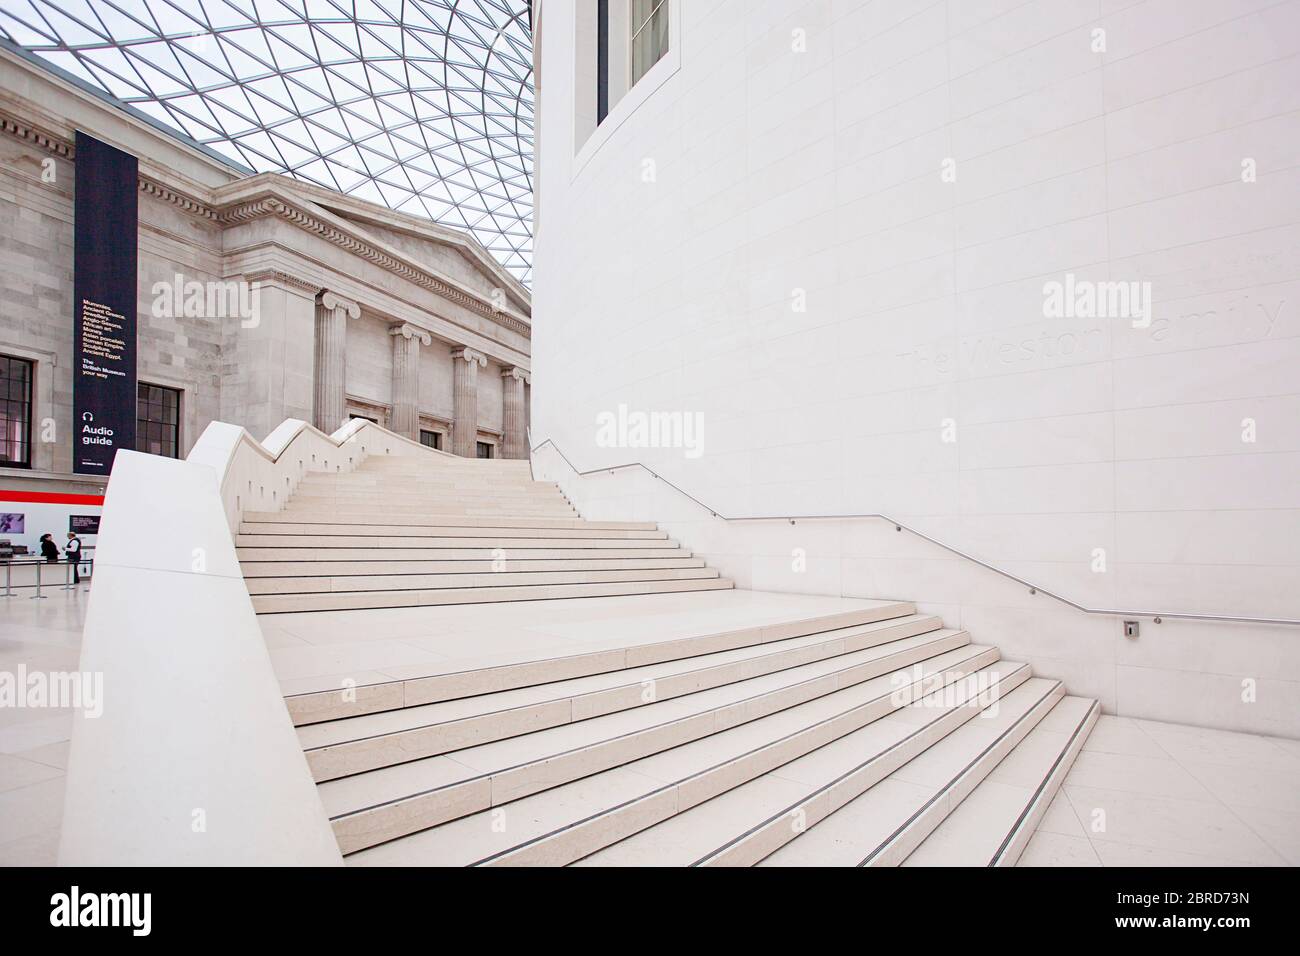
(457, 253)
(438, 259)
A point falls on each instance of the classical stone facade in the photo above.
(357, 310)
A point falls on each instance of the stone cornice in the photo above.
(59, 145)
(280, 277)
(185, 201)
(273, 206)
(279, 206)
(50, 142)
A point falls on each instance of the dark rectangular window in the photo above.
(431, 439)
(602, 60)
(484, 449)
(15, 412)
(158, 420)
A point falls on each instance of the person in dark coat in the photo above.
(49, 550)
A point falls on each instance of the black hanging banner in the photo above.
(104, 304)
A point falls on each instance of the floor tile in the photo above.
(1280, 829)
(17, 772)
(53, 755)
(1276, 787)
(1061, 819)
(1120, 735)
(1146, 775)
(1167, 823)
(1185, 743)
(29, 809)
(1055, 849)
(35, 849)
(1124, 854)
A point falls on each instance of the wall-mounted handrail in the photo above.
(1157, 616)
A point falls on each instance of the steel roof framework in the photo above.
(423, 106)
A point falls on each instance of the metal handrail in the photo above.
(1157, 616)
(39, 562)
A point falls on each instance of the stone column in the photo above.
(269, 363)
(516, 417)
(332, 314)
(464, 430)
(407, 340)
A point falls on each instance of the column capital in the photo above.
(469, 355)
(408, 331)
(514, 418)
(331, 300)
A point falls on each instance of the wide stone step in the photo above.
(381, 805)
(452, 515)
(499, 529)
(994, 823)
(450, 463)
(359, 479)
(436, 519)
(342, 747)
(395, 486)
(382, 496)
(743, 824)
(322, 705)
(391, 496)
(326, 555)
(457, 506)
(574, 820)
(266, 539)
(335, 569)
(357, 600)
(880, 823)
(320, 583)
(448, 476)
(458, 470)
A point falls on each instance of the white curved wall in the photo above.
(742, 178)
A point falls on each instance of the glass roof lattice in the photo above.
(422, 106)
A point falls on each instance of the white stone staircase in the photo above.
(868, 736)
(874, 737)
(402, 532)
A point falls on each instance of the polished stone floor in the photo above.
(1141, 793)
(42, 635)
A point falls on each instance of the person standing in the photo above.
(73, 550)
(49, 550)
